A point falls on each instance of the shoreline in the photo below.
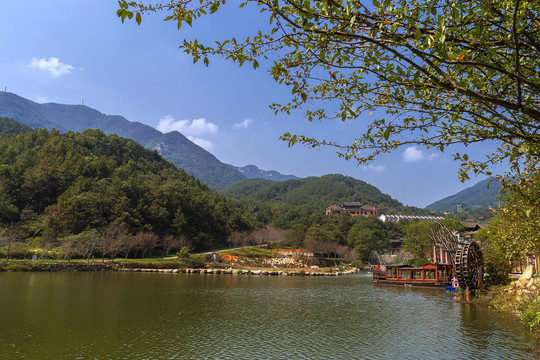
(111, 266)
(244, 272)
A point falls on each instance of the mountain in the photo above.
(481, 195)
(318, 193)
(253, 172)
(173, 146)
(65, 184)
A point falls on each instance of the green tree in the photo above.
(295, 236)
(496, 262)
(515, 230)
(453, 225)
(8, 210)
(417, 240)
(10, 238)
(366, 236)
(443, 72)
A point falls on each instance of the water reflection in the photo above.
(194, 316)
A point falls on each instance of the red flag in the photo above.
(378, 266)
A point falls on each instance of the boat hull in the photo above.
(433, 285)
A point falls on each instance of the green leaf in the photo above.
(386, 134)
(214, 7)
(138, 18)
(417, 34)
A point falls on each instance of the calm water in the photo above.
(192, 316)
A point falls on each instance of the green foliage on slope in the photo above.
(66, 184)
(318, 193)
(11, 127)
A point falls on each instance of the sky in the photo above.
(79, 52)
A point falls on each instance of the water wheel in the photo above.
(468, 265)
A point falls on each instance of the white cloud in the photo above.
(243, 125)
(52, 65)
(196, 127)
(205, 144)
(412, 154)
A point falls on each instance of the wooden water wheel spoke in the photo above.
(468, 265)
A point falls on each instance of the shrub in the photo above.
(531, 315)
(497, 269)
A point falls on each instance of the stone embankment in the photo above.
(246, 272)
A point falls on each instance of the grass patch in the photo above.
(160, 263)
(531, 315)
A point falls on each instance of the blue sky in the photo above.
(74, 51)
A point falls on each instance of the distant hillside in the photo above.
(318, 192)
(24, 111)
(253, 172)
(474, 197)
(10, 127)
(173, 146)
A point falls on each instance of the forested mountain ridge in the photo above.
(65, 184)
(481, 195)
(318, 193)
(173, 146)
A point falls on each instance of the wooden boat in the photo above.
(431, 275)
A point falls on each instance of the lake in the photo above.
(118, 315)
